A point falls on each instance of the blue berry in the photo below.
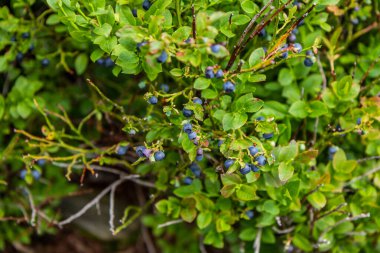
(260, 118)
(209, 73)
(262, 33)
(187, 180)
(153, 100)
(267, 136)
(19, 57)
(359, 121)
(13, 39)
(163, 57)
(23, 173)
(146, 5)
(250, 214)
(100, 61)
(192, 135)
(333, 150)
(121, 150)
(164, 87)
(140, 45)
(308, 62)
(301, 23)
(41, 162)
(147, 152)
(140, 151)
(215, 48)
(253, 150)
(354, 21)
(195, 169)
(292, 38)
(297, 47)
(246, 169)
(261, 160)
(132, 132)
(199, 158)
(25, 35)
(187, 112)
(108, 62)
(197, 100)
(219, 73)
(36, 174)
(294, 31)
(188, 41)
(31, 48)
(134, 13)
(187, 128)
(285, 54)
(229, 87)
(45, 62)
(254, 168)
(220, 142)
(159, 155)
(199, 151)
(228, 163)
(309, 53)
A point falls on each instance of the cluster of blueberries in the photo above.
(297, 47)
(162, 58)
(106, 62)
(260, 160)
(188, 128)
(141, 151)
(187, 112)
(20, 56)
(35, 173)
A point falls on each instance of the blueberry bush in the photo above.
(246, 126)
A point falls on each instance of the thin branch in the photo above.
(112, 208)
(169, 223)
(257, 242)
(332, 211)
(347, 219)
(202, 247)
(32, 206)
(283, 231)
(244, 34)
(374, 170)
(95, 200)
(194, 24)
(323, 75)
(368, 70)
(368, 158)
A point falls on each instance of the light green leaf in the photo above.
(317, 200)
(202, 83)
(285, 171)
(204, 219)
(299, 109)
(81, 62)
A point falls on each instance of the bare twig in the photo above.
(323, 75)
(202, 247)
(95, 200)
(347, 219)
(194, 24)
(368, 158)
(332, 211)
(374, 170)
(32, 206)
(368, 70)
(257, 242)
(283, 231)
(169, 223)
(112, 208)
(244, 34)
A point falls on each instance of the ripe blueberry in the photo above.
(121, 150)
(250, 214)
(333, 150)
(292, 38)
(308, 62)
(187, 112)
(134, 13)
(187, 128)
(187, 180)
(215, 48)
(140, 151)
(25, 35)
(36, 174)
(267, 136)
(309, 53)
(359, 121)
(195, 169)
(260, 118)
(146, 5)
(108, 62)
(199, 158)
(23, 173)
(262, 33)
(19, 57)
(261, 160)
(220, 142)
(147, 152)
(228, 163)
(254, 168)
(354, 21)
(41, 162)
(164, 87)
(192, 135)
(229, 87)
(246, 169)
(219, 73)
(209, 73)
(132, 132)
(297, 47)
(253, 150)
(285, 54)
(197, 100)
(159, 155)
(153, 100)
(140, 45)
(45, 62)
(100, 61)
(163, 57)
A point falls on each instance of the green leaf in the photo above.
(188, 214)
(204, 219)
(227, 190)
(234, 120)
(240, 19)
(317, 200)
(340, 163)
(285, 171)
(317, 109)
(288, 153)
(104, 30)
(182, 33)
(247, 103)
(285, 77)
(255, 78)
(176, 72)
(256, 57)
(299, 109)
(230, 179)
(209, 94)
(302, 242)
(246, 193)
(202, 83)
(81, 62)
(249, 6)
(271, 207)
